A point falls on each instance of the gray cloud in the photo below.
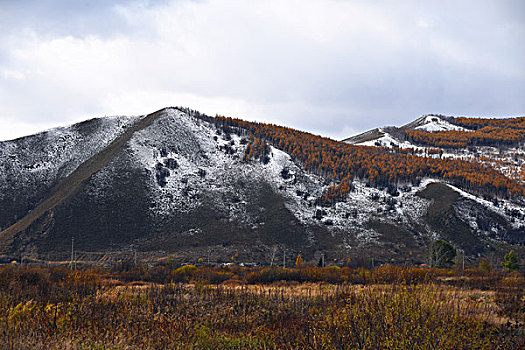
(62, 18)
(329, 67)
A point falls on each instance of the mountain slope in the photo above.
(70, 183)
(31, 166)
(187, 185)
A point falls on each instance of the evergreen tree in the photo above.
(511, 262)
(441, 254)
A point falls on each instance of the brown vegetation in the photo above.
(228, 308)
(341, 162)
(483, 132)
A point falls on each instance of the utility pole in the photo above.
(463, 260)
(72, 251)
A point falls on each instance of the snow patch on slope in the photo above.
(389, 141)
(433, 123)
(44, 158)
(503, 207)
(384, 141)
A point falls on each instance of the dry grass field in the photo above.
(230, 308)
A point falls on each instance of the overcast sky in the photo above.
(328, 67)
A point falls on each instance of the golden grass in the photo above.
(94, 309)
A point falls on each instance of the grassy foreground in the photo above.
(259, 308)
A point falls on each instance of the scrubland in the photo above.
(232, 307)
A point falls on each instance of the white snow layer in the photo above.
(434, 123)
(43, 158)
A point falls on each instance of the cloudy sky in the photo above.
(330, 67)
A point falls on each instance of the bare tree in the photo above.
(273, 253)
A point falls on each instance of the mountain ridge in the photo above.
(187, 183)
(67, 186)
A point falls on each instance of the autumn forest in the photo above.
(342, 163)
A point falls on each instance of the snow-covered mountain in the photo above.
(388, 136)
(432, 123)
(173, 183)
(506, 158)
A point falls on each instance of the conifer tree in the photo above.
(511, 262)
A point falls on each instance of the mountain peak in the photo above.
(432, 123)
